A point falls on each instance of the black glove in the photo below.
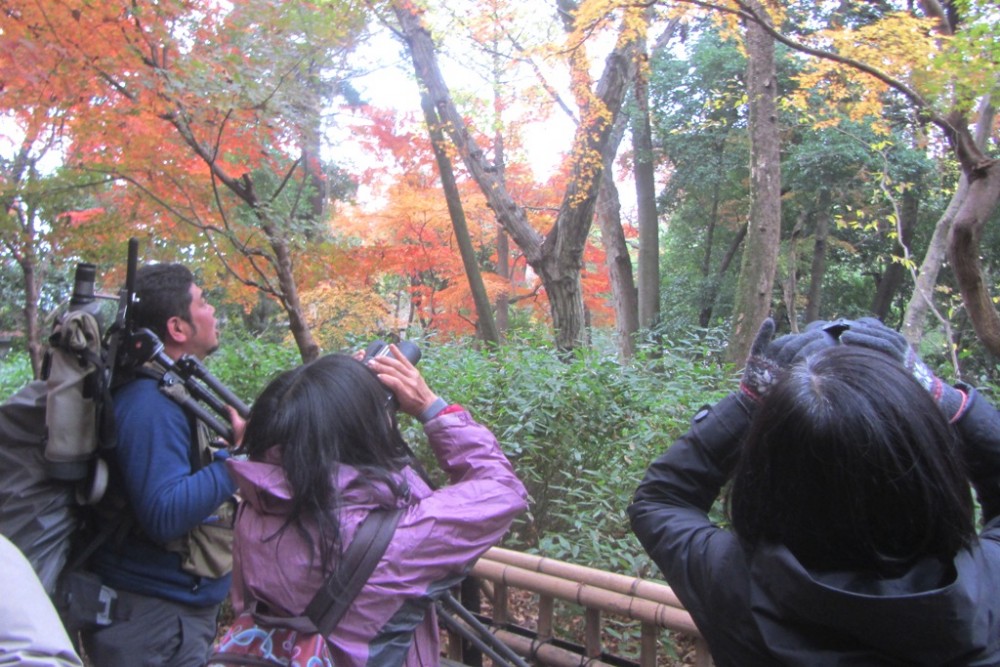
(793, 348)
(871, 333)
(760, 370)
(768, 358)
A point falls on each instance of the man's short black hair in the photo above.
(162, 291)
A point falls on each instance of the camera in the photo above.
(380, 348)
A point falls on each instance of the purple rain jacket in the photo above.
(764, 608)
(439, 537)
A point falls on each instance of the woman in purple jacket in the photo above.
(324, 450)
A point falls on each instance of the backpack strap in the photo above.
(366, 549)
(332, 600)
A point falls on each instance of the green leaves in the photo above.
(579, 431)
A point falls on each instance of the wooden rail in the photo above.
(653, 605)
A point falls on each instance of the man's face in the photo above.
(203, 335)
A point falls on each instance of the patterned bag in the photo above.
(249, 641)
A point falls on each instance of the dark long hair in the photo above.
(850, 464)
(328, 412)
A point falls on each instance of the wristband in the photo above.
(432, 410)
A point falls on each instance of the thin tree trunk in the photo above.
(710, 285)
(964, 256)
(617, 258)
(818, 271)
(484, 312)
(894, 273)
(705, 317)
(645, 190)
(33, 330)
(503, 268)
(791, 285)
(619, 265)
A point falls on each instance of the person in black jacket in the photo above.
(852, 538)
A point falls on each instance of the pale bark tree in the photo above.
(619, 262)
(790, 286)
(645, 189)
(922, 299)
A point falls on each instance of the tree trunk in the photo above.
(314, 181)
(557, 257)
(705, 316)
(33, 330)
(895, 272)
(922, 298)
(645, 190)
(502, 305)
(818, 271)
(710, 283)
(503, 268)
(297, 324)
(963, 252)
(617, 258)
(760, 255)
(619, 264)
(22, 244)
(791, 284)
(484, 312)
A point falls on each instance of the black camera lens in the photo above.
(83, 285)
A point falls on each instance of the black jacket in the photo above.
(765, 608)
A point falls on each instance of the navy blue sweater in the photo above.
(151, 468)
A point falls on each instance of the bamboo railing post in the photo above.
(702, 658)
(649, 644)
(454, 646)
(592, 632)
(546, 612)
(500, 603)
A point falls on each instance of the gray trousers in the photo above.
(157, 633)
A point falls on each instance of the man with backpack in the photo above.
(170, 496)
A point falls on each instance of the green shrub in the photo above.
(580, 431)
(15, 372)
(245, 364)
